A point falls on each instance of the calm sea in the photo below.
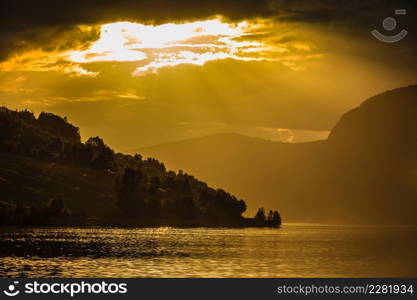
(295, 250)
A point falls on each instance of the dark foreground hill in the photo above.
(49, 176)
(366, 172)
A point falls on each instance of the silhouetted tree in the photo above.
(270, 216)
(153, 209)
(276, 219)
(99, 154)
(59, 126)
(260, 215)
(130, 194)
(241, 206)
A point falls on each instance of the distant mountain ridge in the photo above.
(365, 172)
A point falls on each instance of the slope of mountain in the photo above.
(365, 172)
(250, 167)
(385, 121)
(47, 173)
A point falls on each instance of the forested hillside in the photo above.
(48, 173)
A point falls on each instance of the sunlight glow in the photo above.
(170, 44)
(149, 48)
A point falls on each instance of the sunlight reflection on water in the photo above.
(295, 250)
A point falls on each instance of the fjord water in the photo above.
(295, 250)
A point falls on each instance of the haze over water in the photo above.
(295, 250)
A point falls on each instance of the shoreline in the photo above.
(132, 223)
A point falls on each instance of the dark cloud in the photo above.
(27, 23)
(351, 11)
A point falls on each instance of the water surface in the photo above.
(295, 250)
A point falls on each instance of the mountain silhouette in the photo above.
(48, 176)
(365, 172)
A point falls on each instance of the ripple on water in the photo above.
(296, 250)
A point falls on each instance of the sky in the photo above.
(141, 73)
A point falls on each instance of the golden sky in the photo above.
(138, 82)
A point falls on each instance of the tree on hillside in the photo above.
(59, 126)
(131, 198)
(276, 219)
(99, 154)
(260, 215)
(270, 216)
(153, 206)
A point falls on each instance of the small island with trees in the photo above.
(48, 176)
